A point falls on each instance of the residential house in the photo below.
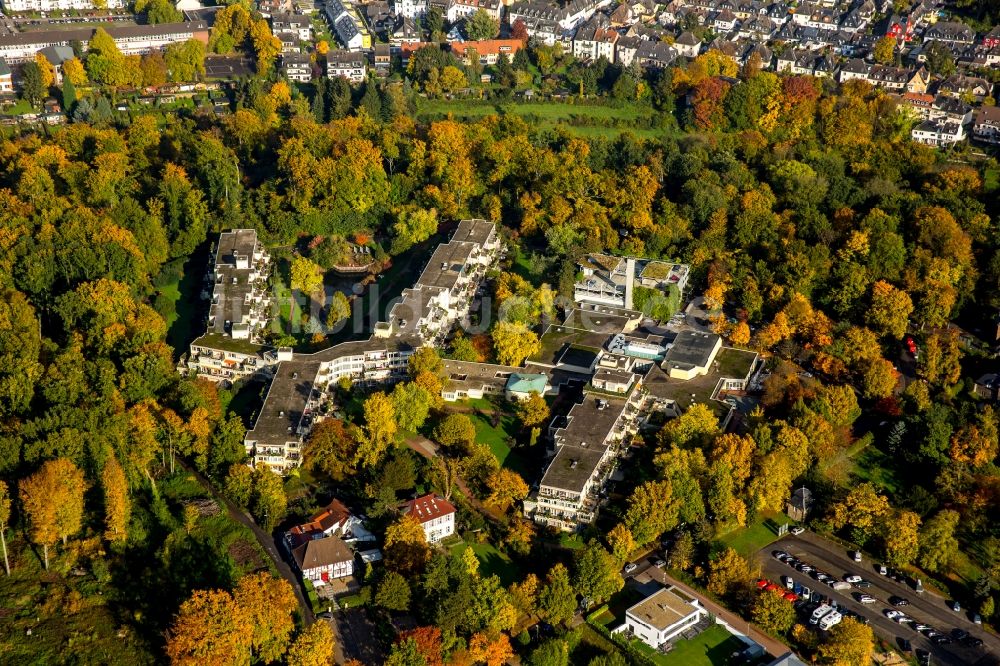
(799, 504)
(487, 51)
(592, 41)
(662, 616)
(404, 31)
(410, 8)
(298, 24)
(959, 85)
(991, 40)
(899, 28)
(890, 78)
(351, 65)
(987, 124)
(296, 67)
(321, 561)
(950, 32)
(626, 48)
(855, 68)
(57, 57)
(435, 514)
(941, 133)
(459, 9)
(6, 78)
(655, 54)
(724, 22)
(687, 45)
(382, 57)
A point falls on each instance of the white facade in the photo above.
(439, 528)
(662, 616)
(131, 40)
(56, 5)
(936, 133)
(411, 8)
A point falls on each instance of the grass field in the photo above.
(491, 561)
(587, 120)
(748, 540)
(712, 647)
(498, 437)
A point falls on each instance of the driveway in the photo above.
(927, 608)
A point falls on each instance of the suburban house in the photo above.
(334, 519)
(6, 78)
(593, 41)
(296, 67)
(986, 126)
(351, 65)
(687, 45)
(323, 560)
(487, 51)
(938, 133)
(299, 25)
(662, 616)
(435, 515)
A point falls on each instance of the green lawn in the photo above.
(874, 466)
(498, 437)
(748, 540)
(491, 561)
(711, 647)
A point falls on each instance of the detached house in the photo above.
(323, 560)
(938, 133)
(593, 41)
(958, 85)
(687, 45)
(986, 126)
(435, 514)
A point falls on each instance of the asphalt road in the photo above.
(926, 608)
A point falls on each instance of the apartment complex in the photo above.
(230, 349)
(587, 448)
(445, 290)
(130, 39)
(297, 396)
(57, 5)
(610, 280)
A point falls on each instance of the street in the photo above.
(926, 608)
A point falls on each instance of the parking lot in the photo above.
(925, 608)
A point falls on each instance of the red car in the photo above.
(773, 587)
(791, 596)
(911, 345)
(762, 583)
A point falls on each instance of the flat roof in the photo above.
(468, 374)
(285, 403)
(663, 609)
(572, 468)
(579, 356)
(474, 231)
(602, 319)
(557, 337)
(447, 264)
(691, 349)
(84, 34)
(590, 421)
(232, 284)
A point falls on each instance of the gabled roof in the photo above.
(428, 508)
(321, 553)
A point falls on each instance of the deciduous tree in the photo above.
(379, 432)
(728, 572)
(890, 310)
(412, 404)
(117, 505)
(268, 501)
(621, 542)
(393, 592)
(307, 277)
(596, 573)
(902, 538)
(313, 647)
(455, 431)
(210, 629)
(505, 487)
(406, 549)
(481, 25)
(848, 643)
(938, 544)
(514, 342)
(772, 612)
(52, 499)
(533, 411)
(556, 600)
(4, 521)
(267, 604)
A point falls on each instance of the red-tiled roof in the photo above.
(487, 47)
(333, 514)
(429, 507)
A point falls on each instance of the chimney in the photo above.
(629, 279)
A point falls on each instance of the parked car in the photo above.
(976, 618)
(790, 596)
(972, 641)
(866, 599)
(959, 634)
(789, 583)
(899, 601)
(882, 570)
(857, 556)
(762, 583)
(798, 530)
(923, 627)
(780, 555)
(955, 606)
(863, 584)
(892, 614)
(630, 567)
(853, 578)
(659, 564)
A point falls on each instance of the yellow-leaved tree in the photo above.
(52, 499)
(117, 505)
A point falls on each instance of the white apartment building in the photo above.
(445, 290)
(458, 9)
(230, 349)
(436, 516)
(938, 133)
(587, 448)
(56, 5)
(351, 65)
(410, 8)
(130, 39)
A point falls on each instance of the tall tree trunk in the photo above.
(6, 562)
(45, 551)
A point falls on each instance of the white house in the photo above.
(323, 560)
(436, 516)
(351, 65)
(938, 133)
(410, 8)
(662, 616)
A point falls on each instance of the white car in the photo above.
(630, 567)
(867, 599)
(853, 578)
(798, 530)
(892, 614)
